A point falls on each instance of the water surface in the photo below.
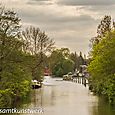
(68, 98)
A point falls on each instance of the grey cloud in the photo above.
(73, 19)
(57, 22)
(75, 43)
(67, 30)
(39, 2)
(100, 10)
(86, 2)
(103, 9)
(72, 23)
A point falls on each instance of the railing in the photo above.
(80, 80)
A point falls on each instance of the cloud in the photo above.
(55, 21)
(40, 2)
(85, 2)
(73, 32)
(72, 23)
(63, 24)
(99, 11)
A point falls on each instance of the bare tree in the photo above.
(37, 43)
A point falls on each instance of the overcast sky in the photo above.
(71, 23)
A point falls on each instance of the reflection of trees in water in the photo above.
(48, 94)
(58, 98)
(36, 98)
(103, 108)
(43, 95)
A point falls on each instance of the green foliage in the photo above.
(102, 66)
(22, 57)
(60, 62)
(16, 78)
(5, 98)
(68, 66)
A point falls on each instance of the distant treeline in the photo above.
(61, 62)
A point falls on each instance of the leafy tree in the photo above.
(22, 57)
(102, 66)
(14, 76)
(60, 62)
(68, 66)
(9, 32)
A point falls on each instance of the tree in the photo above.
(9, 32)
(74, 57)
(60, 62)
(37, 43)
(81, 59)
(101, 68)
(15, 77)
(104, 27)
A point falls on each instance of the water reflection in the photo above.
(67, 98)
(103, 108)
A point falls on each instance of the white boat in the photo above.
(48, 81)
(36, 84)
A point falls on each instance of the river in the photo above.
(68, 98)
